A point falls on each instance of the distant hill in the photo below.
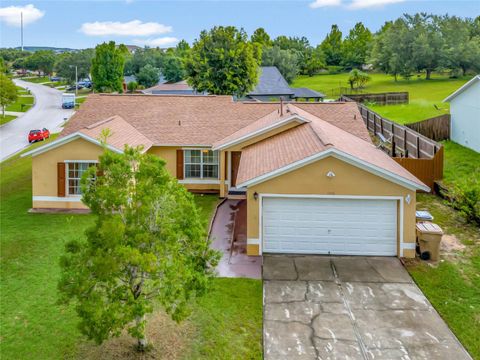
(55, 49)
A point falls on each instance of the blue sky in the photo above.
(81, 24)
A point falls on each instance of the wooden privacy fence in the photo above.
(436, 128)
(422, 156)
(387, 98)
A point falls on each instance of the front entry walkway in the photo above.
(321, 307)
(236, 263)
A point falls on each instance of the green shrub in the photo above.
(466, 198)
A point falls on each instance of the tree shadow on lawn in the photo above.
(168, 340)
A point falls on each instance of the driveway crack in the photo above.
(362, 345)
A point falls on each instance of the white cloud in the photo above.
(362, 4)
(157, 42)
(11, 14)
(323, 3)
(130, 28)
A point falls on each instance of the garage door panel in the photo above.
(329, 226)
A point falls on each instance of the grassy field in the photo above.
(453, 285)
(424, 94)
(461, 164)
(227, 322)
(5, 119)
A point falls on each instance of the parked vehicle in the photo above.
(55, 78)
(72, 87)
(85, 83)
(68, 101)
(38, 135)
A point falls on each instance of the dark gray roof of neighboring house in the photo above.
(306, 93)
(271, 82)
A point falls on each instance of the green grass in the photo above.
(17, 105)
(453, 287)
(230, 318)
(226, 321)
(5, 119)
(37, 80)
(424, 94)
(461, 163)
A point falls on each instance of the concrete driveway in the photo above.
(47, 112)
(320, 307)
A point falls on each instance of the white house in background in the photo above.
(465, 114)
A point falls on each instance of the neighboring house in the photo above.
(272, 85)
(465, 114)
(178, 88)
(312, 179)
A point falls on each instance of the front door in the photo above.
(235, 162)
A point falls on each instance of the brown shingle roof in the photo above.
(199, 120)
(309, 139)
(121, 133)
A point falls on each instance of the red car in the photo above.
(38, 135)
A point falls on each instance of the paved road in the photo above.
(46, 112)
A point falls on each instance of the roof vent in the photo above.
(179, 123)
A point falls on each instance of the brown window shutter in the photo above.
(180, 164)
(61, 179)
(226, 165)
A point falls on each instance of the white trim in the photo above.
(199, 181)
(341, 156)
(201, 163)
(293, 118)
(400, 200)
(462, 88)
(66, 140)
(57, 199)
(251, 241)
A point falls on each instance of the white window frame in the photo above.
(67, 177)
(201, 163)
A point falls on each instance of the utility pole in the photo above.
(21, 25)
(76, 81)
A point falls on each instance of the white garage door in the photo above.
(329, 226)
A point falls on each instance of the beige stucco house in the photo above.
(313, 181)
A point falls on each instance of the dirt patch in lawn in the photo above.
(168, 340)
(450, 244)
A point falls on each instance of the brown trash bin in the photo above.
(429, 236)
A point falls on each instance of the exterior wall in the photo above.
(169, 154)
(311, 179)
(44, 173)
(465, 120)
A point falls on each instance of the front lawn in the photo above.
(22, 104)
(453, 285)
(424, 94)
(37, 79)
(5, 119)
(226, 323)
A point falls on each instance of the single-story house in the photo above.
(176, 88)
(313, 180)
(272, 85)
(465, 114)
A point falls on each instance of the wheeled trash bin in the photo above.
(429, 236)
